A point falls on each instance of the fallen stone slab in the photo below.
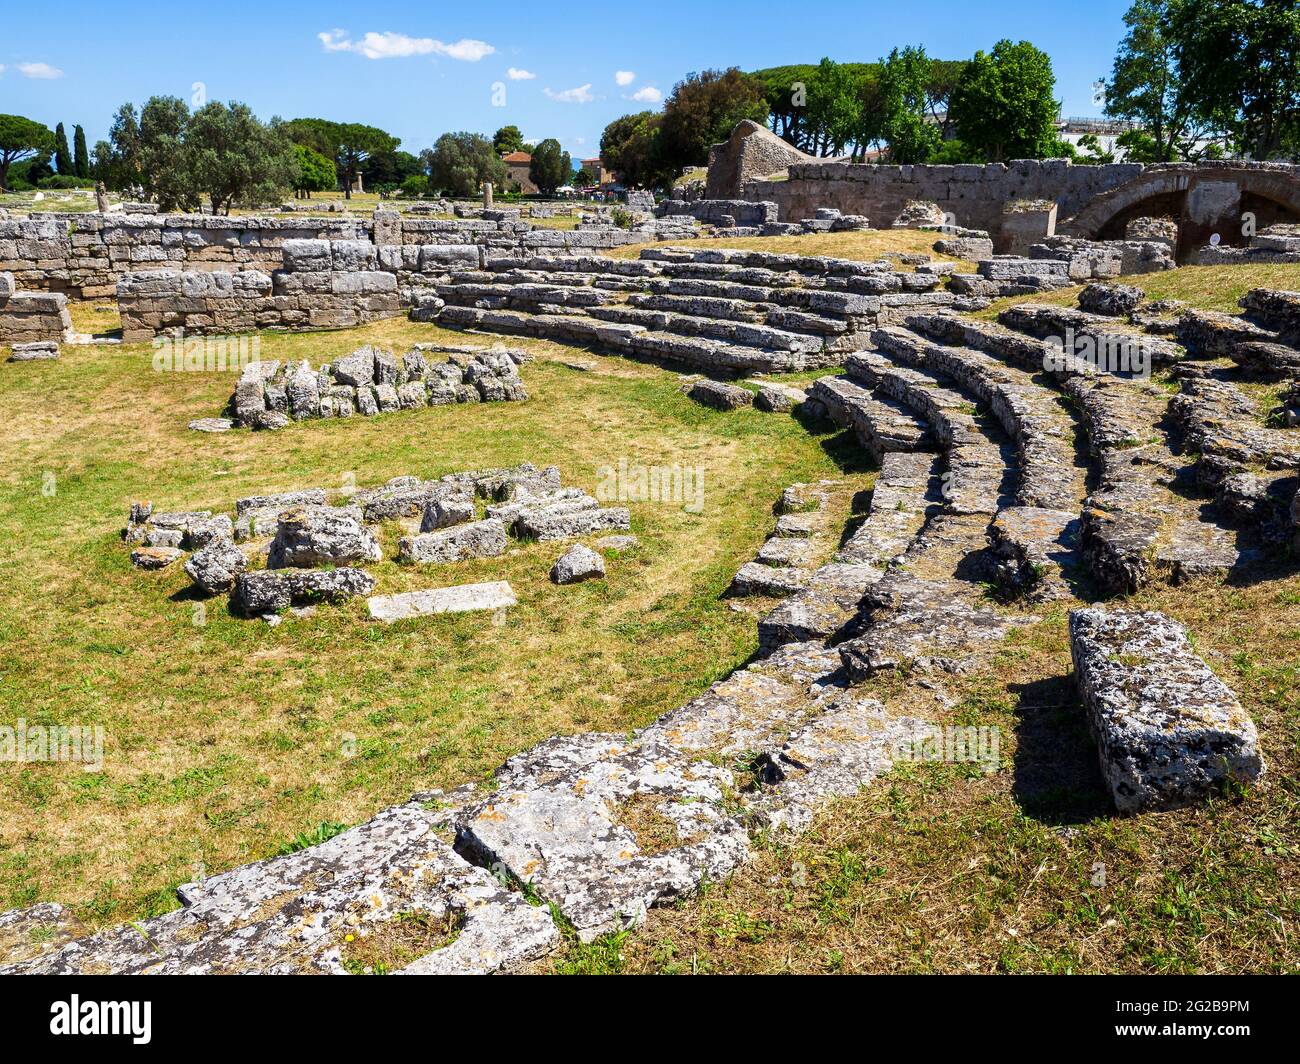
(463, 598)
(618, 543)
(1168, 730)
(577, 564)
(561, 523)
(778, 398)
(477, 539)
(37, 351)
(605, 829)
(720, 396)
(272, 590)
(212, 424)
(154, 558)
(216, 567)
(1113, 300)
(755, 578)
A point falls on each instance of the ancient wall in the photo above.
(86, 255)
(326, 284)
(30, 317)
(975, 194)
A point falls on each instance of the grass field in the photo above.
(226, 739)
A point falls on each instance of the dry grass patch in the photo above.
(225, 737)
(865, 246)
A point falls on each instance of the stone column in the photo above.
(101, 197)
(487, 193)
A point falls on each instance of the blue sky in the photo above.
(419, 70)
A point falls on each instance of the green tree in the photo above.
(62, 154)
(1004, 105)
(117, 161)
(629, 147)
(584, 178)
(508, 139)
(349, 144)
(1147, 86)
(703, 110)
(165, 165)
(80, 157)
(548, 170)
(234, 158)
(21, 138)
(316, 172)
(834, 108)
(460, 163)
(1239, 62)
(905, 123)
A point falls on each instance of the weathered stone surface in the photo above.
(1114, 300)
(268, 591)
(155, 557)
(36, 351)
(478, 539)
(559, 522)
(305, 912)
(567, 819)
(755, 578)
(211, 424)
(445, 512)
(463, 598)
(617, 543)
(215, 567)
(322, 535)
(28, 934)
(577, 564)
(719, 395)
(1168, 730)
(833, 756)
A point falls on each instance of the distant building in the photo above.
(517, 164)
(596, 169)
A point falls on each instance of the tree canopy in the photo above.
(21, 138)
(1004, 105)
(460, 163)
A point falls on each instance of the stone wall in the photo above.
(325, 284)
(30, 317)
(724, 212)
(87, 254)
(975, 194)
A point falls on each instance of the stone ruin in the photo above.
(32, 324)
(372, 380)
(1003, 463)
(316, 542)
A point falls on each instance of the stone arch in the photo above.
(1210, 199)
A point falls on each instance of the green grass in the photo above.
(222, 739)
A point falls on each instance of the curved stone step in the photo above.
(981, 467)
(883, 425)
(1030, 413)
(1106, 336)
(1138, 524)
(906, 492)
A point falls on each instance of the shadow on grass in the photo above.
(1057, 780)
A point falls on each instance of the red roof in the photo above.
(517, 157)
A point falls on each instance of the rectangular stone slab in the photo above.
(1168, 730)
(463, 598)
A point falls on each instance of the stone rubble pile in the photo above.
(372, 380)
(31, 321)
(315, 550)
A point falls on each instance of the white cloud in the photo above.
(515, 74)
(532, 142)
(582, 94)
(624, 77)
(41, 71)
(649, 94)
(389, 45)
